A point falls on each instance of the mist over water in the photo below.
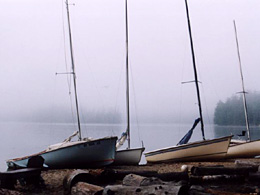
(21, 139)
(34, 47)
(34, 43)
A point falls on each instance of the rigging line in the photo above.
(73, 69)
(202, 61)
(205, 104)
(195, 69)
(83, 126)
(117, 94)
(65, 53)
(243, 87)
(69, 76)
(181, 86)
(135, 104)
(96, 87)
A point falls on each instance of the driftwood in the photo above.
(137, 180)
(76, 176)
(216, 179)
(170, 188)
(197, 190)
(111, 175)
(86, 188)
(244, 163)
(254, 176)
(199, 171)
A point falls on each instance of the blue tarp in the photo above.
(187, 137)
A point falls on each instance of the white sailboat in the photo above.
(128, 156)
(247, 148)
(196, 151)
(83, 153)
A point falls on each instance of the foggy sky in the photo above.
(32, 51)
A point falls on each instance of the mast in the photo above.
(73, 69)
(127, 80)
(195, 71)
(243, 87)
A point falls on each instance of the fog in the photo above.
(32, 50)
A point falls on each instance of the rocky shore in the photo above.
(226, 185)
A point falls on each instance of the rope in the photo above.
(117, 95)
(69, 78)
(135, 104)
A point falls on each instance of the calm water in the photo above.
(20, 139)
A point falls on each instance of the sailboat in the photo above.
(243, 148)
(83, 153)
(196, 151)
(128, 156)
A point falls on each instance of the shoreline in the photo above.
(53, 179)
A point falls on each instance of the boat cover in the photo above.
(121, 140)
(187, 137)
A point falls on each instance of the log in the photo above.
(173, 176)
(137, 180)
(110, 175)
(113, 175)
(74, 177)
(86, 188)
(254, 176)
(216, 179)
(153, 189)
(197, 190)
(243, 163)
(199, 171)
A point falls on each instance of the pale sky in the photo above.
(32, 51)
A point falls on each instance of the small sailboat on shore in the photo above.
(83, 153)
(204, 150)
(128, 156)
(243, 148)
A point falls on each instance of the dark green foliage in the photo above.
(231, 112)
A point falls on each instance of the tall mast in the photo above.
(243, 87)
(73, 69)
(195, 71)
(127, 80)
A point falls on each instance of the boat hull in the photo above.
(128, 156)
(214, 149)
(95, 153)
(244, 149)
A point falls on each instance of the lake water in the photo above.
(20, 139)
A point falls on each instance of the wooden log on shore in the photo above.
(244, 163)
(170, 188)
(199, 171)
(216, 179)
(111, 175)
(198, 190)
(137, 180)
(254, 176)
(76, 176)
(86, 188)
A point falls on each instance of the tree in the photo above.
(231, 112)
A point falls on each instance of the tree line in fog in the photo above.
(63, 115)
(231, 112)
